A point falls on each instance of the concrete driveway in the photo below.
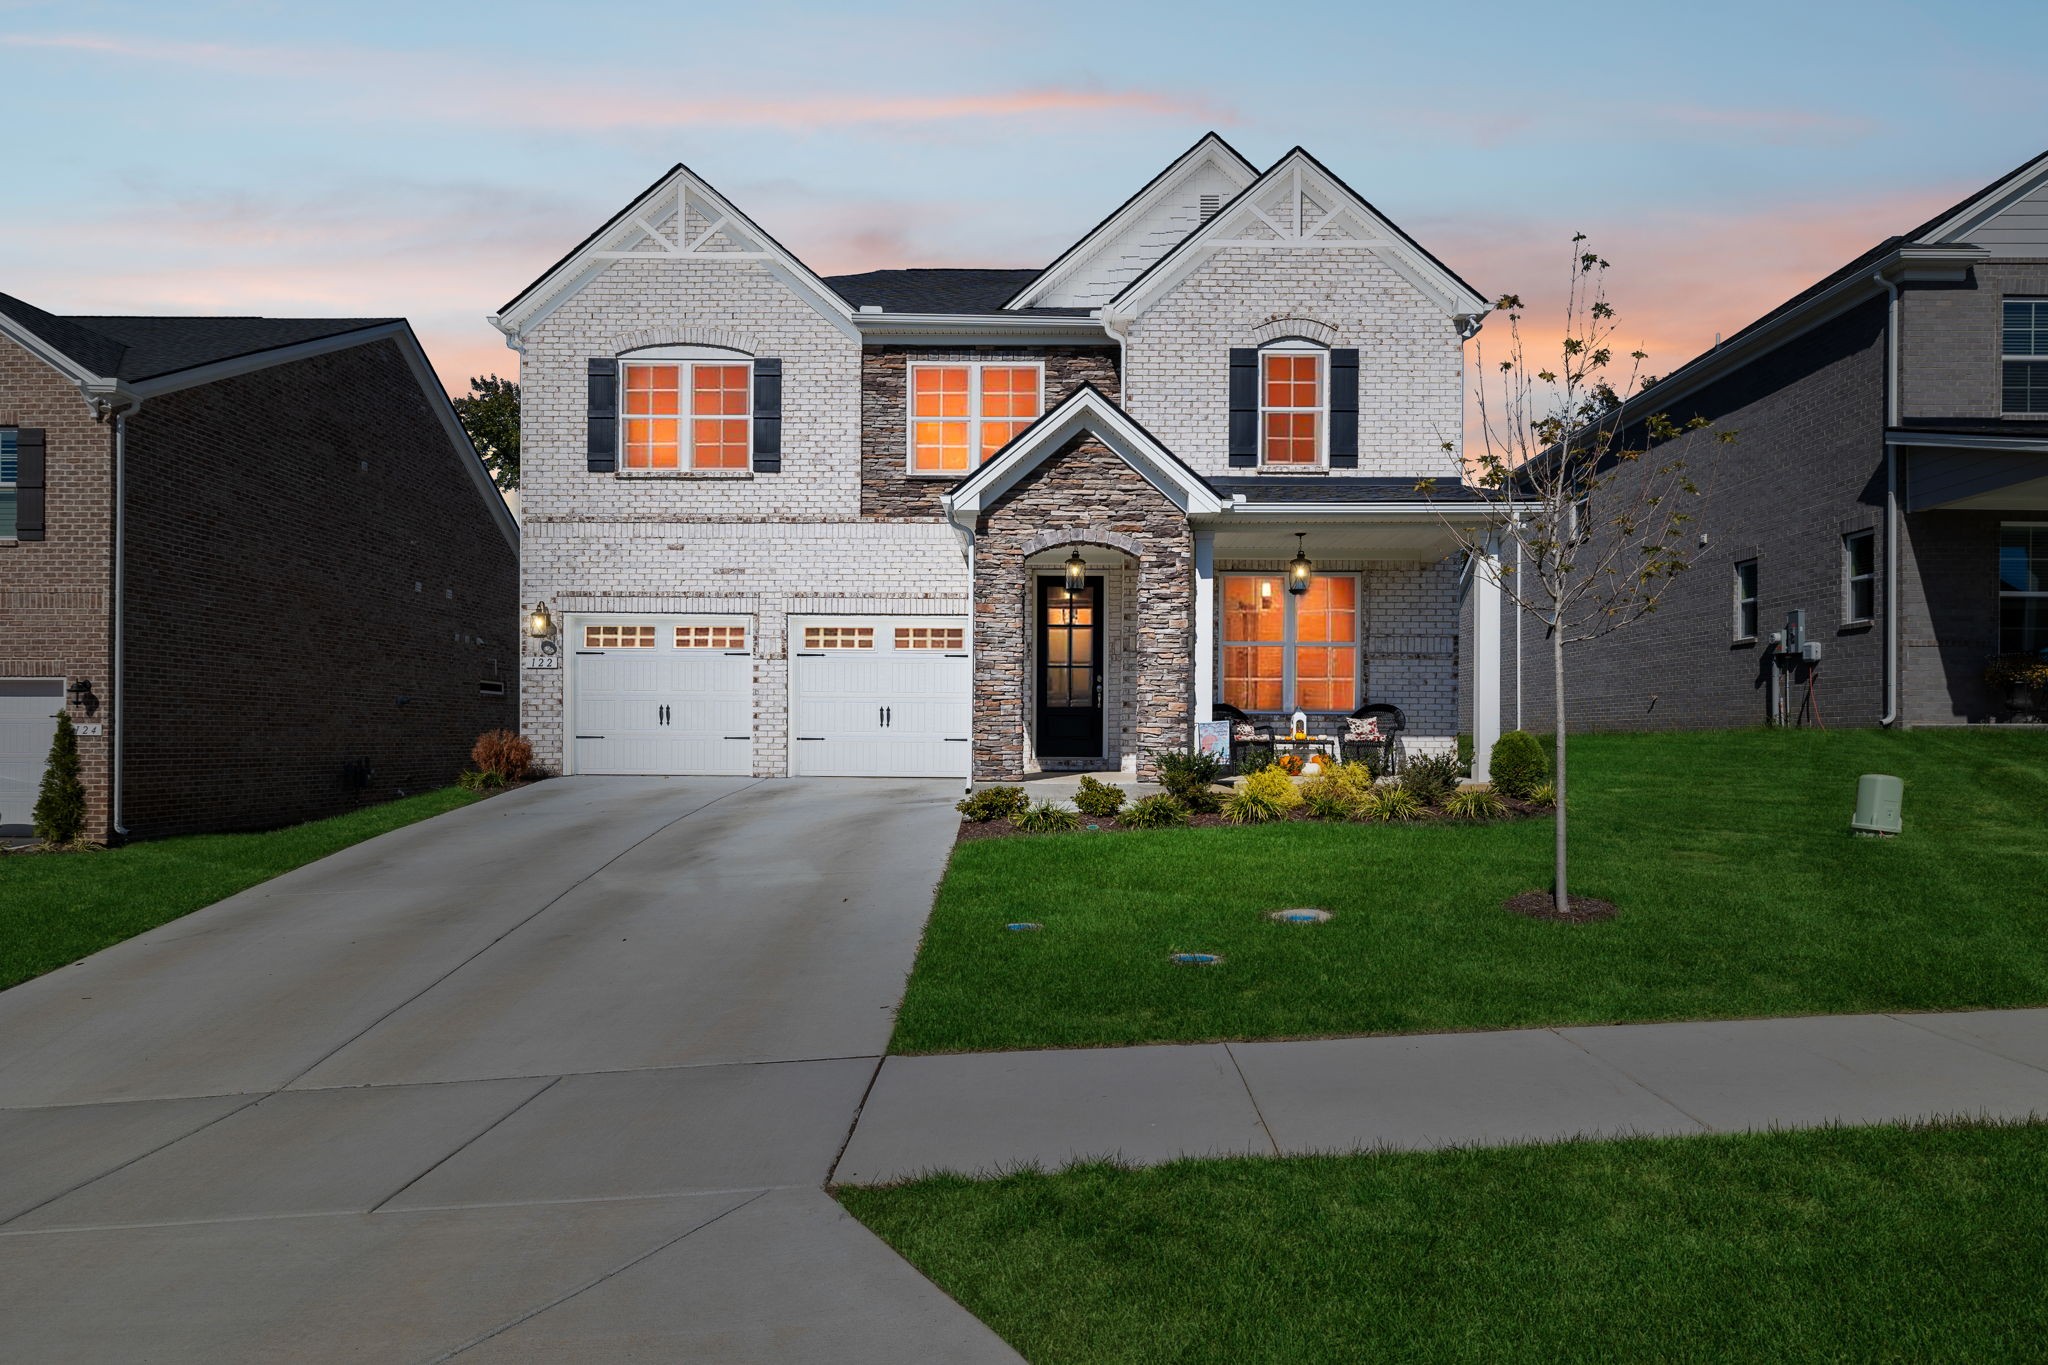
(554, 1077)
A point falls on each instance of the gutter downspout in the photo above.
(1119, 326)
(966, 534)
(1891, 506)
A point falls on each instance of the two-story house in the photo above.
(983, 523)
(1878, 533)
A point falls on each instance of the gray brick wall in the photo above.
(1949, 340)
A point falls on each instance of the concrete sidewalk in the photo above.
(982, 1112)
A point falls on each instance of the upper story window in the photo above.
(686, 414)
(1293, 401)
(2023, 588)
(10, 473)
(960, 414)
(2025, 353)
(1284, 651)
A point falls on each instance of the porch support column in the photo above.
(1205, 625)
(1485, 659)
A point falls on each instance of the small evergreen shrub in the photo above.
(1046, 818)
(504, 753)
(1189, 777)
(1476, 803)
(59, 816)
(1519, 764)
(993, 803)
(1153, 812)
(1430, 780)
(1098, 799)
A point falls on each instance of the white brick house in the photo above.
(979, 523)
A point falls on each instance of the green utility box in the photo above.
(1878, 802)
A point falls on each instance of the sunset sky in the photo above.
(430, 159)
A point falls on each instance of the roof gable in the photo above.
(2008, 217)
(1298, 204)
(1141, 230)
(680, 215)
(1086, 410)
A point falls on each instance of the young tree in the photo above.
(59, 816)
(490, 414)
(1579, 479)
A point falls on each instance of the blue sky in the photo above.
(430, 159)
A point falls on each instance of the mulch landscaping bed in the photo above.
(1003, 829)
(1542, 905)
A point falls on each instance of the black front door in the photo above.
(1069, 669)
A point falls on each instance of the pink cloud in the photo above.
(1775, 126)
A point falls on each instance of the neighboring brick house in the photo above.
(1889, 480)
(256, 559)
(982, 523)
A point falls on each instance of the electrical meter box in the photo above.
(1879, 802)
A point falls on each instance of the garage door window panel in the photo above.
(618, 637)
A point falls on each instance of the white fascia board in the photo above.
(1993, 201)
(1210, 148)
(912, 328)
(1085, 411)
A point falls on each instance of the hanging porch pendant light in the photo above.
(1077, 572)
(1299, 569)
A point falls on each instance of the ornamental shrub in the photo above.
(1544, 795)
(1336, 793)
(1273, 786)
(502, 752)
(1475, 803)
(1249, 805)
(1429, 780)
(994, 803)
(1098, 799)
(1519, 764)
(1046, 818)
(59, 816)
(1391, 803)
(1189, 777)
(1159, 811)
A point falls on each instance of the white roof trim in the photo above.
(678, 190)
(1959, 225)
(1211, 148)
(1299, 171)
(1085, 410)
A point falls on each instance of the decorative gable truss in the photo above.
(1299, 205)
(680, 217)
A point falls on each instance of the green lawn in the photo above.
(1741, 893)
(56, 908)
(1865, 1244)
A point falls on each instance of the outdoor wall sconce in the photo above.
(1077, 572)
(540, 625)
(1299, 569)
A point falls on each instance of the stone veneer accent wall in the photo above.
(888, 492)
(1089, 492)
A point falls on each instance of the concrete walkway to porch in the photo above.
(979, 1113)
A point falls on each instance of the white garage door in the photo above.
(666, 695)
(28, 720)
(879, 696)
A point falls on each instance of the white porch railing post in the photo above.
(1205, 625)
(1485, 660)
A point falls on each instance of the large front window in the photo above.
(10, 472)
(1291, 405)
(716, 430)
(1284, 651)
(2025, 355)
(962, 414)
(2023, 588)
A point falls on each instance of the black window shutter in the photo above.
(1344, 408)
(1244, 407)
(767, 415)
(28, 484)
(603, 451)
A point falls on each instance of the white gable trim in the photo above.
(1085, 411)
(1958, 226)
(1244, 223)
(1211, 150)
(634, 234)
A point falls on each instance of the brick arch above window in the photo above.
(1295, 326)
(684, 336)
(1060, 536)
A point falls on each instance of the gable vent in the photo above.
(1211, 203)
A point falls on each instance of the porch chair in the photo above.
(1261, 732)
(1387, 749)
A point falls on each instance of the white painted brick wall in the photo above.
(1409, 364)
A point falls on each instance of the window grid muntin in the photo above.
(1293, 408)
(2023, 350)
(1745, 599)
(1859, 577)
(1278, 672)
(967, 422)
(618, 637)
(2023, 588)
(931, 637)
(839, 637)
(711, 637)
(652, 423)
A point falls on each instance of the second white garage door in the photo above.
(879, 696)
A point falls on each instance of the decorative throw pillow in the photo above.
(1243, 729)
(1363, 730)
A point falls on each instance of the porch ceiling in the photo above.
(1395, 540)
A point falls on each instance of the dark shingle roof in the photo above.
(1337, 488)
(942, 291)
(137, 348)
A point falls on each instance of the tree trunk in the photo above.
(1558, 894)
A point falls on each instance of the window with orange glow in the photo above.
(711, 637)
(962, 414)
(716, 432)
(1291, 408)
(618, 637)
(931, 637)
(1284, 653)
